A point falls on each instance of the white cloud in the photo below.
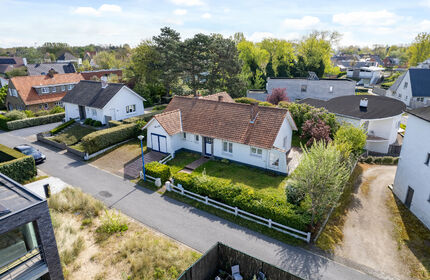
(187, 2)
(425, 3)
(305, 22)
(180, 12)
(206, 16)
(259, 36)
(377, 18)
(90, 11)
(174, 21)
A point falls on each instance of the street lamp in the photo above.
(143, 158)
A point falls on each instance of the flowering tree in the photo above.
(315, 131)
(278, 95)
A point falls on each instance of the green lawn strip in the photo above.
(259, 180)
(148, 185)
(181, 160)
(332, 233)
(130, 143)
(73, 135)
(296, 140)
(238, 220)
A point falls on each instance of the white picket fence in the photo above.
(306, 236)
(166, 159)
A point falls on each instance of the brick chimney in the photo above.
(220, 98)
(254, 111)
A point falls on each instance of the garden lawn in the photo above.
(181, 160)
(259, 180)
(73, 135)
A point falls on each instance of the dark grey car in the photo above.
(31, 151)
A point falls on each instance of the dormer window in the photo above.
(45, 90)
(63, 88)
(54, 89)
(70, 87)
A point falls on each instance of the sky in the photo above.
(77, 22)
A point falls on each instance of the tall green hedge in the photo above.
(3, 122)
(101, 139)
(12, 125)
(20, 168)
(245, 198)
(158, 170)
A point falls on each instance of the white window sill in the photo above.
(257, 156)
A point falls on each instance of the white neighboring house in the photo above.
(379, 116)
(368, 75)
(412, 88)
(102, 101)
(218, 127)
(412, 184)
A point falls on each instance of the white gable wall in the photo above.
(71, 111)
(116, 107)
(284, 131)
(404, 91)
(155, 128)
(412, 170)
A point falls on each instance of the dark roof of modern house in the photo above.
(91, 94)
(14, 197)
(8, 63)
(378, 107)
(43, 68)
(236, 122)
(420, 81)
(67, 56)
(422, 113)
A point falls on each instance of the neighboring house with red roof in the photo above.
(39, 92)
(249, 134)
(97, 74)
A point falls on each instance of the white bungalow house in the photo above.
(379, 116)
(216, 126)
(102, 101)
(411, 184)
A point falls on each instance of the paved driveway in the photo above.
(186, 224)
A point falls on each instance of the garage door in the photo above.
(159, 143)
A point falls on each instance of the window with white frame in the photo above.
(406, 97)
(45, 90)
(330, 89)
(14, 92)
(46, 106)
(70, 87)
(130, 109)
(59, 103)
(256, 152)
(274, 160)
(196, 138)
(285, 142)
(227, 147)
(184, 136)
(420, 99)
(63, 88)
(405, 85)
(54, 89)
(400, 95)
(303, 88)
(94, 112)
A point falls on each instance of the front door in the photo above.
(158, 143)
(409, 197)
(82, 115)
(208, 146)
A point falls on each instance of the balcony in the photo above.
(28, 266)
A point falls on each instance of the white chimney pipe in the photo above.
(364, 102)
(104, 81)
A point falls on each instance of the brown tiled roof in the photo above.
(170, 121)
(225, 97)
(226, 120)
(100, 73)
(24, 85)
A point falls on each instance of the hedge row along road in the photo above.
(184, 223)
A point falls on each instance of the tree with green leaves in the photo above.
(320, 176)
(3, 94)
(107, 60)
(350, 139)
(419, 50)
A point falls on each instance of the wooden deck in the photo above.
(190, 167)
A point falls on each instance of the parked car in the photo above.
(31, 151)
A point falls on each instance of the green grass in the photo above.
(259, 180)
(181, 160)
(296, 141)
(73, 135)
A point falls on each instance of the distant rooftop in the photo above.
(14, 197)
(306, 78)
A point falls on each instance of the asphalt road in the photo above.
(184, 223)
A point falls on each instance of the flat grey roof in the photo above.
(15, 197)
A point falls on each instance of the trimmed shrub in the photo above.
(12, 125)
(21, 168)
(246, 100)
(88, 121)
(387, 160)
(29, 114)
(56, 110)
(97, 123)
(160, 107)
(61, 127)
(41, 113)
(3, 122)
(245, 198)
(265, 104)
(101, 139)
(15, 115)
(113, 123)
(158, 170)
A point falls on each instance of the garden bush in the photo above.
(88, 121)
(113, 123)
(12, 125)
(246, 100)
(15, 115)
(160, 107)
(29, 114)
(61, 127)
(387, 160)
(41, 113)
(101, 139)
(18, 166)
(97, 123)
(245, 198)
(158, 170)
(3, 122)
(56, 110)
(265, 104)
